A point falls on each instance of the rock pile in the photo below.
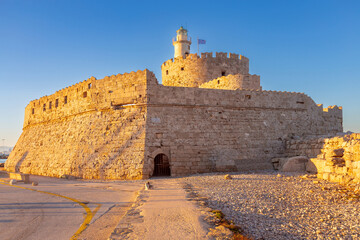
(268, 205)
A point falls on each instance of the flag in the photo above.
(201, 41)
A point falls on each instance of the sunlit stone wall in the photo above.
(97, 135)
(204, 130)
(194, 70)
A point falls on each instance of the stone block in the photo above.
(337, 152)
(311, 167)
(295, 164)
(326, 176)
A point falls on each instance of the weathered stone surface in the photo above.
(234, 82)
(278, 163)
(338, 152)
(99, 136)
(310, 167)
(194, 70)
(295, 164)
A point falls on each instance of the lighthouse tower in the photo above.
(181, 43)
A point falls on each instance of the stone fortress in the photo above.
(209, 114)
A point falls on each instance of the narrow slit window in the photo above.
(167, 72)
(65, 100)
(50, 105)
(84, 94)
(182, 69)
(89, 85)
(44, 107)
(56, 103)
(33, 111)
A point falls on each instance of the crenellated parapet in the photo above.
(91, 95)
(194, 70)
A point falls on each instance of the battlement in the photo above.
(333, 109)
(207, 55)
(194, 70)
(90, 95)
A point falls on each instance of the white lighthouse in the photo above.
(181, 43)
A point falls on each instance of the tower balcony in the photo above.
(181, 38)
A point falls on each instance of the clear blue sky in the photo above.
(303, 46)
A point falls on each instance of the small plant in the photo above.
(238, 236)
(218, 214)
(230, 225)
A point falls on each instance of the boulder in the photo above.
(278, 163)
(311, 167)
(295, 164)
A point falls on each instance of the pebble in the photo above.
(267, 206)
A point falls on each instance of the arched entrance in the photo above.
(161, 165)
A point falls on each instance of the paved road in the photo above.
(60, 209)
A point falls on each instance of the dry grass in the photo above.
(230, 225)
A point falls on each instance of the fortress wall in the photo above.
(104, 138)
(193, 70)
(89, 95)
(234, 82)
(204, 130)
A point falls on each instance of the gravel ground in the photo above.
(269, 205)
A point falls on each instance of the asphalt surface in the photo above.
(63, 209)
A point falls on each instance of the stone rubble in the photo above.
(335, 159)
(268, 205)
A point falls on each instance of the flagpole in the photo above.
(198, 44)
